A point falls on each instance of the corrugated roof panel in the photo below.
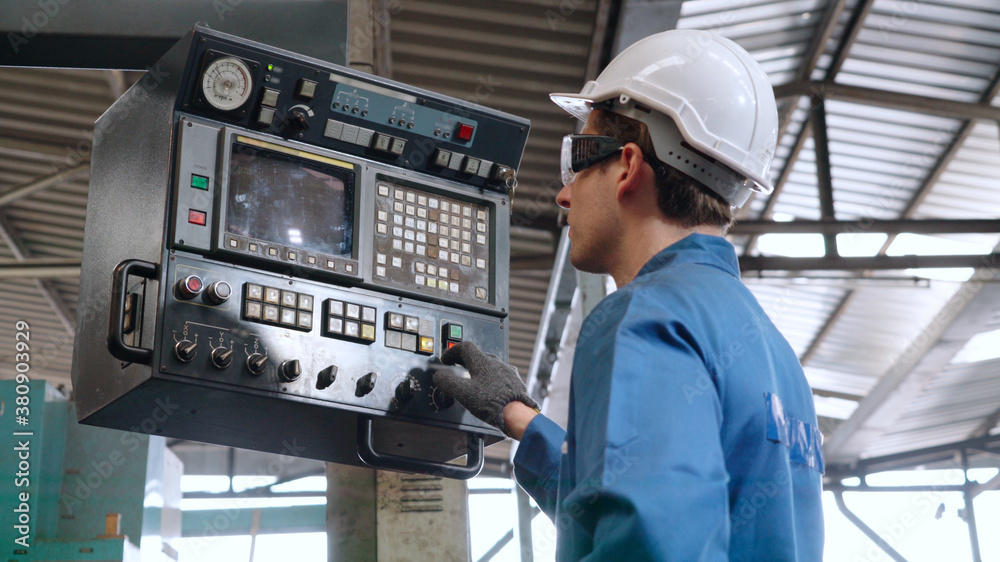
(797, 311)
(890, 319)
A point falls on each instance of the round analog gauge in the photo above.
(226, 83)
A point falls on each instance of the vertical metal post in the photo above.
(350, 513)
(824, 175)
(524, 517)
(970, 511)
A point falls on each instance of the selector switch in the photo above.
(405, 390)
(218, 292)
(256, 364)
(365, 384)
(290, 370)
(185, 350)
(326, 377)
(222, 357)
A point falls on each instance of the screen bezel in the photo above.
(334, 164)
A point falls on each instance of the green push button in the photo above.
(454, 331)
(199, 182)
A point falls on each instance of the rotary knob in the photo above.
(218, 292)
(326, 377)
(298, 122)
(289, 370)
(185, 350)
(441, 400)
(365, 384)
(222, 357)
(405, 390)
(256, 363)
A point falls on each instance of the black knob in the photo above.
(405, 390)
(365, 384)
(222, 357)
(298, 122)
(218, 292)
(326, 377)
(256, 363)
(190, 287)
(442, 400)
(289, 370)
(185, 350)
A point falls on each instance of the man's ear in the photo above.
(630, 170)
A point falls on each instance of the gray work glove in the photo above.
(493, 383)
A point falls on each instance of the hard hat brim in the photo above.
(577, 105)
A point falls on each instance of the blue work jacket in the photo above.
(692, 432)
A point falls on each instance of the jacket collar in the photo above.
(697, 248)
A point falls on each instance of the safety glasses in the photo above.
(579, 152)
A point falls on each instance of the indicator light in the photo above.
(199, 182)
(197, 217)
(270, 67)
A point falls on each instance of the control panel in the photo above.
(326, 234)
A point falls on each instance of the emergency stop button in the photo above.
(463, 132)
(190, 287)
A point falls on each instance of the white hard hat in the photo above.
(698, 89)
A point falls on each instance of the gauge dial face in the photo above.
(226, 83)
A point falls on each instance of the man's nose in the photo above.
(562, 198)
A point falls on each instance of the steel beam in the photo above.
(39, 268)
(115, 34)
(25, 189)
(916, 226)
(824, 175)
(898, 461)
(49, 293)
(781, 263)
(891, 100)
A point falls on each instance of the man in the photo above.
(692, 433)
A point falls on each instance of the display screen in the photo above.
(290, 201)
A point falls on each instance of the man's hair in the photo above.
(680, 198)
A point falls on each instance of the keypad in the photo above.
(409, 333)
(271, 305)
(349, 321)
(433, 244)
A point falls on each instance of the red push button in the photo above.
(197, 217)
(464, 132)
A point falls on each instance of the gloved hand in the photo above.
(493, 383)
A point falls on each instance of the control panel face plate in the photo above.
(294, 320)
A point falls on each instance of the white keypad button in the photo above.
(411, 197)
(422, 213)
(397, 231)
(432, 203)
(466, 260)
(383, 216)
(397, 262)
(481, 215)
(481, 239)
(397, 219)
(443, 255)
(420, 279)
(409, 235)
(443, 272)
(432, 269)
(383, 190)
(481, 263)
(398, 207)
(410, 223)
(380, 258)
(382, 228)
(454, 257)
(420, 267)
(421, 200)
(408, 247)
(380, 271)
(421, 250)
(421, 225)
(432, 227)
(453, 287)
(411, 210)
(398, 194)
(397, 244)
(466, 247)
